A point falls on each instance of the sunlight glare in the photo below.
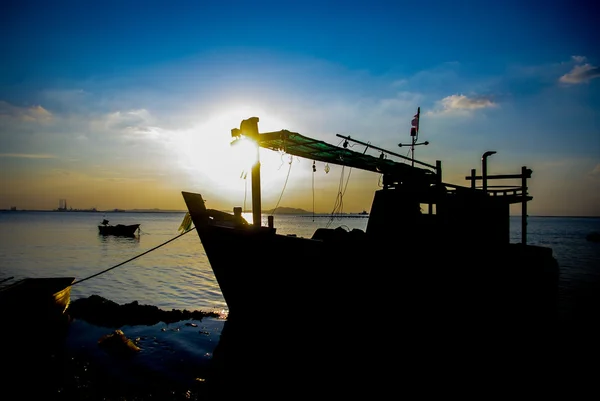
(208, 156)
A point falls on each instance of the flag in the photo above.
(415, 122)
(186, 223)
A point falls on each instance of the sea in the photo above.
(164, 267)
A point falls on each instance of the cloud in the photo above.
(399, 82)
(132, 124)
(579, 59)
(596, 171)
(129, 119)
(27, 156)
(24, 114)
(580, 74)
(461, 104)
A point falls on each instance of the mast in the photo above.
(414, 134)
(249, 128)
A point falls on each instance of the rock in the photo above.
(103, 312)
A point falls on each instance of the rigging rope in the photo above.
(135, 257)
(284, 185)
(339, 201)
(245, 176)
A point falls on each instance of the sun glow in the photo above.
(213, 160)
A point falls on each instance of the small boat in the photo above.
(35, 326)
(123, 230)
(36, 299)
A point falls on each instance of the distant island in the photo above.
(285, 210)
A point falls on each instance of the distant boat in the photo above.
(122, 230)
(364, 213)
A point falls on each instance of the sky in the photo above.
(126, 104)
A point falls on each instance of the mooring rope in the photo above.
(135, 257)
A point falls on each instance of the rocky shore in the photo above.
(377, 355)
(43, 366)
(103, 312)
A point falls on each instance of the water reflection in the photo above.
(112, 239)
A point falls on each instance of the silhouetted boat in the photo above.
(432, 279)
(403, 253)
(35, 324)
(36, 299)
(123, 230)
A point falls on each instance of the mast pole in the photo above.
(249, 128)
(414, 134)
(256, 196)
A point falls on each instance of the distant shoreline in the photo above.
(268, 212)
(96, 211)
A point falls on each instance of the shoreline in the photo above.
(300, 355)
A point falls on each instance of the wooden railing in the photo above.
(517, 191)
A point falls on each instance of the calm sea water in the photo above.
(177, 275)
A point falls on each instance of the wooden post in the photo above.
(484, 169)
(256, 198)
(473, 179)
(439, 209)
(524, 205)
(249, 128)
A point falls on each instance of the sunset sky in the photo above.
(126, 104)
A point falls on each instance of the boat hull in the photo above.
(35, 325)
(282, 275)
(39, 302)
(119, 230)
(362, 308)
(344, 274)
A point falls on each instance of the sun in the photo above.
(212, 158)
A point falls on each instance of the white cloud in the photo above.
(132, 124)
(461, 104)
(579, 59)
(24, 114)
(580, 74)
(129, 119)
(399, 82)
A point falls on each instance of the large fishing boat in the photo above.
(457, 249)
(434, 267)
